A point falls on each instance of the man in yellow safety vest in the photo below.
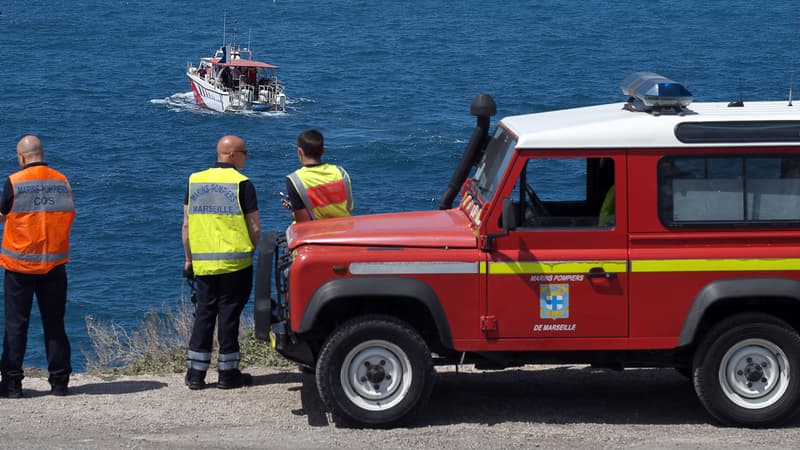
(220, 232)
(317, 190)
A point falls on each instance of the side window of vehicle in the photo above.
(566, 193)
(758, 190)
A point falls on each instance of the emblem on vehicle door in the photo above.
(554, 301)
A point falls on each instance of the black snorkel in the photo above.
(483, 107)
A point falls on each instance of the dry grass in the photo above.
(158, 344)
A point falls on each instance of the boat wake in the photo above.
(184, 102)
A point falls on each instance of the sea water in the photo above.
(389, 83)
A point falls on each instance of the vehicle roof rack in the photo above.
(652, 93)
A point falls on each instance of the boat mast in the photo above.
(224, 26)
(234, 44)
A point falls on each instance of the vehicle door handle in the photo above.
(598, 272)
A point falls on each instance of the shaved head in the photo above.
(229, 144)
(232, 149)
(30, 146)
(29, 150)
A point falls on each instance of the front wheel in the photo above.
(747, 371)
(375, 371)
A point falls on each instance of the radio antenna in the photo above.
(688, 63)
(794, 56)
(235, 31)
(741, 89)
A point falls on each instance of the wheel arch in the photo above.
(406, 295)
(723, 297)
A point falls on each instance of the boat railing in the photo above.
(271, 87)
(267, 93)
(246, 92)
(236, 101)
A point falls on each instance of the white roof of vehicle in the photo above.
(612, 126)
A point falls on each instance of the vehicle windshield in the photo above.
(493, 165)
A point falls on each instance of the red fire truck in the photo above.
(676, 243)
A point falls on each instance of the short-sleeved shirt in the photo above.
(247, 192)
(7, 198)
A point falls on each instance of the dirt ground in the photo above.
(531, 407)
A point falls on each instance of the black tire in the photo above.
(374, 371)
(747, 371)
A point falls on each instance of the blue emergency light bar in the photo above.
(652, 92)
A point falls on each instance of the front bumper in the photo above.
(287, 344)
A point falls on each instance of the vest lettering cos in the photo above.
(325, 190)
(218, 234)
(36, 234)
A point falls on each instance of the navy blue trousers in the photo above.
(51, 295)
(220, 301)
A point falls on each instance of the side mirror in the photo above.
(510, 218)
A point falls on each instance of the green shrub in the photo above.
(158, 344)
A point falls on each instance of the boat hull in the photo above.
(207, 95)
(218, 98)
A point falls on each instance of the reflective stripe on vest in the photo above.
(218, 234)
(325, 190)
(36, 234)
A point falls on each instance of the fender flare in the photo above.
(410, 289)
(734, 288)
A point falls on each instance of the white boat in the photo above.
(232, 80)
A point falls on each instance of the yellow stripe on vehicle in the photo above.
(715, 265)
(573, 267)
(554, 267)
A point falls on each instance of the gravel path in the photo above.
(534, 407)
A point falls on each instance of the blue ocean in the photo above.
(389, 83)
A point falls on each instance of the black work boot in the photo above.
(12, 387)
(195, 379)
(58, 385)
(233, 378)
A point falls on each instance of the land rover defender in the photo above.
(653, 232)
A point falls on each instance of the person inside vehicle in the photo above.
(607, 217)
